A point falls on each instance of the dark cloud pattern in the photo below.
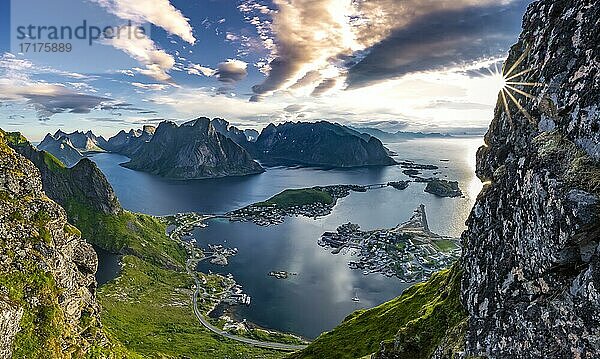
(441, 40)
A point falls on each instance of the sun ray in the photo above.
(521, 92)
(521, 108)
(525, 83)
(519, 74)
(507, 109)
(519, 61)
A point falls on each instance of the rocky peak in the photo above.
(318, 144)
(149, 129)
(531, 252)
(193, 150)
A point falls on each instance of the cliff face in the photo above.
(83, 183)
(319, 144)
(531, 260)
(191, 151)
(47, 285)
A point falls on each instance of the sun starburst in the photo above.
(512, 89)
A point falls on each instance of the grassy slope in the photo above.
(418, 320)
(126, 232)
(298, 197)
(149, 309)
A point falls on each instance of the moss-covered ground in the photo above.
(411, 325)
(126, 232)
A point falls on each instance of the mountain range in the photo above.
(318, 144)
(205, 148)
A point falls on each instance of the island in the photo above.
(309, 202)
(410, 251)
(443, 188)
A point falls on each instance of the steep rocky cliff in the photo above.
(191, 151)
(531, 263)
(318, 144)
(47, 286)
(91, 205)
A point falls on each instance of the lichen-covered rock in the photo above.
(47, 285)
(531, 256)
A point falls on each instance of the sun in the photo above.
(511, 88)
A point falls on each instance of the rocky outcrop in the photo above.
(193, 150)
(47, 286)
(84, 183)
(531, 257)
(61, 148)
(443, 188)
(319, 144)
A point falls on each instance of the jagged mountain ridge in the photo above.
(128, 143)
(193, 150)
(69, 148)
(83, 141)
(61, 148)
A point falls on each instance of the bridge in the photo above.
(376, 185)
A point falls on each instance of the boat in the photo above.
(355, 298)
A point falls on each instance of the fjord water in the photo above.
(319, 296)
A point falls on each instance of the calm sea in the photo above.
(319, 296)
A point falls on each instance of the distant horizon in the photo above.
(413, 66)
(455, 133)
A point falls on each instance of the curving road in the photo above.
(212, 328)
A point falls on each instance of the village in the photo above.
(410, 251)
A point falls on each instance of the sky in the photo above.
(396, 65)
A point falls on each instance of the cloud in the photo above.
(195, 69)
(456, 105)
(308, 35)
(231, 71)
(49, 99)
(156, 87)
(157, 63)
(293, 108)
(17, 85)
(324, 86)
(439, 40)
(310, 38)
(194, 102)
(158, 12)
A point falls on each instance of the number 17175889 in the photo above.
(26, 47)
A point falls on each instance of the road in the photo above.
(212, 328)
